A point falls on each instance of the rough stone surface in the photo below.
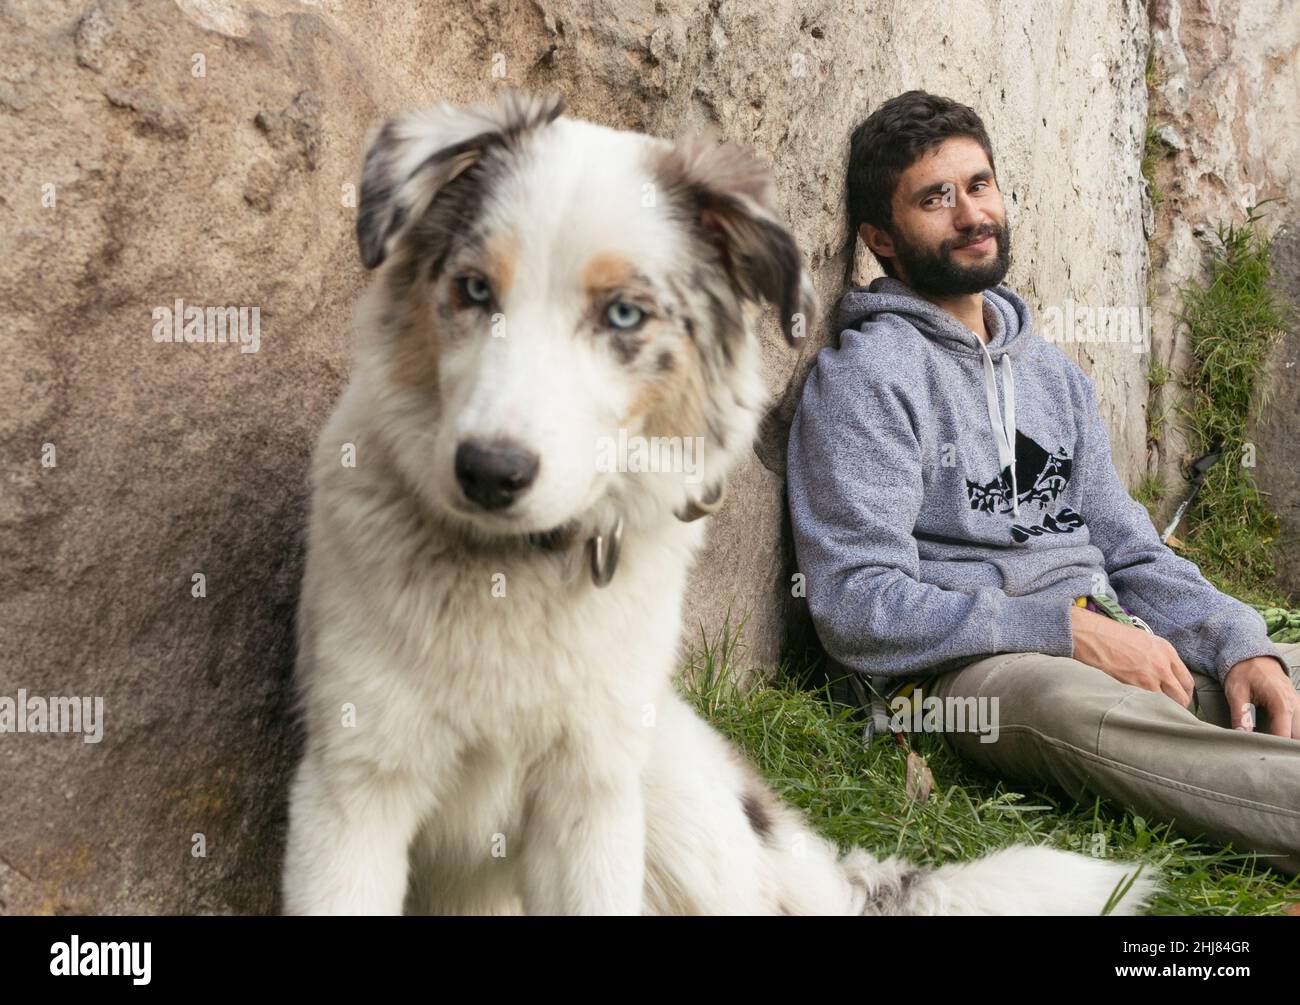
(1228, 87)
(1274, 432)
(229, 186)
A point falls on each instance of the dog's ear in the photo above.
(412, 158)
(730, 194)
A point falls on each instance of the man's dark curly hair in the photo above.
(888, 142)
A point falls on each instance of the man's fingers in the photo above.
(1177, 694)
(1281, 715)
(1179, 669)
(1172, 685)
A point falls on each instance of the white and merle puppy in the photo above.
(490, 612)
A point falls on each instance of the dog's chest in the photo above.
(501, 639)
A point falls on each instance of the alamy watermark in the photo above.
(194, 324)
(918, 713)
(1074, 322)
(37, 714)
(75, 958)
(652, 454)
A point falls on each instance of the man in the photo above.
(954, 504)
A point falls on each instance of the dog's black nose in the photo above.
(494, 474)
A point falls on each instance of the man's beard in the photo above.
(938, 274)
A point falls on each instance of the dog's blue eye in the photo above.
(623, 315)
(475, 289)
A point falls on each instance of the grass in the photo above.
(1150, 492)
(1155, 77)
(1233, 320)
(1158, 375)
(1153, 148)
(813, 755)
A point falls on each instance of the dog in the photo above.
(489, 614)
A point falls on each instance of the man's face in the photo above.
(949, 235)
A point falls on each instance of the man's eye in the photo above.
(624, 316)
(474, 289)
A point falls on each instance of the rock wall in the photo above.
(203, 150)
(1226, 103)
(1274, 431)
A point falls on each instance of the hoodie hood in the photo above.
(1006, 317)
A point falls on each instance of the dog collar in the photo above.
(603, 546)
(603, 551)
(696, 508)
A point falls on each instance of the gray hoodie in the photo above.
(950, 500)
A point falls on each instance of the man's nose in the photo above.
(966, 215)
(494, 474)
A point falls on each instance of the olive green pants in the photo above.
(1065, 723)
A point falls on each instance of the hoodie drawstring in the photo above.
(1004, 427)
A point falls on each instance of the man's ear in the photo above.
(877, 240)
(729, 193)
(412, 158)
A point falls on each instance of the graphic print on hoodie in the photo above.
(1045, 475)
(950, 499)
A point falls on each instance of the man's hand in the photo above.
(1262, 682)
(1130, 655)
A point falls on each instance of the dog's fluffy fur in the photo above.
(489, 730)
